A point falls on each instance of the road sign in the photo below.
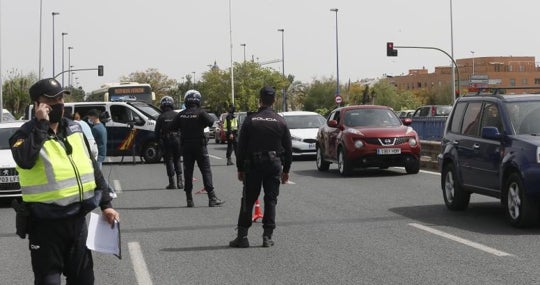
(338, 99)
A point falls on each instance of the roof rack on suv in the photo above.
(496, 90)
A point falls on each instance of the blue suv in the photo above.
(491, 146)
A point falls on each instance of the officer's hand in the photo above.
(231, 136)
(42, 111)
(111, 215)
(240, 176)
(284, 178)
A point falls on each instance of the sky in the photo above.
(179, 37)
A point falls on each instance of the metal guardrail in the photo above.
(429, 128)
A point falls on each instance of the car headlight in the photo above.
(358, 144)
(296, 139)
(413, 142)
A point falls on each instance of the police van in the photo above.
(130, 126)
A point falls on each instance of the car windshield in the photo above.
(304, 121)
(524, 116)
(7, 117)
(5, 134)
(371, 117)
(147, 109)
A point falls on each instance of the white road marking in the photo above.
(139, 265)
(117, 186)
(430, 172)
(290, 182)
(216, 157)
(461, 240)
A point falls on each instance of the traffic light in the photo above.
(100, 70)
(390, 51)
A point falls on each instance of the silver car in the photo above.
(303, 126)
(9, 178)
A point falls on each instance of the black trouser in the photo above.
(196, 152)
(266, 173)
(171, 155)
(59, 246)
(231, 144)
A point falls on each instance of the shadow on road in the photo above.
(196, 248)
(367, 172)
(485, 218)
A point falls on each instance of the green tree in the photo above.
(320, 96)
(161, 84)
(15, 94)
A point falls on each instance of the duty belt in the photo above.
(265, 155)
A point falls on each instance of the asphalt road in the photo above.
(377, 227)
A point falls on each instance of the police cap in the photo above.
(267, 91)
(48, 87)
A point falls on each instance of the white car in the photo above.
(9, 178)
(303, 126)
(7, 116)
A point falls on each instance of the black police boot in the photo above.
(171, 183)
(229, 161)
(267, 238)
(179, 182)
(213, 201)
(189, 199)
(241, 240)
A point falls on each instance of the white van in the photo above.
(130, 126)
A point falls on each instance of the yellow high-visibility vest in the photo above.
(233, 122)
(57, 177)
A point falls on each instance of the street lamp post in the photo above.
(337, 53)
(472, 52)
(53, 14)
(454, 90)
(193, 72)
(244, 46)
(63, 66)
(283, 67)
(69, 65)
(231, 44)
(40, 24)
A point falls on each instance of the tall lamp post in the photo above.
(40, 24)
(69, 65)
(193, 72)
(63, 66)
(53, 14)
(244, 46)
(283, 67)
(337, 54)
(231, 44)
(472, 52)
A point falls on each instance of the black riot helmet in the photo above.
(166, 102)
(192, 98)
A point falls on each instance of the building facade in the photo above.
(476, 73)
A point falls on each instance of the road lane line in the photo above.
(117, 186)
(216, 157)
(139, 266)
(430, 172)
(461, 240)
(290, 182)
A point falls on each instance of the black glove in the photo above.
(22, 218)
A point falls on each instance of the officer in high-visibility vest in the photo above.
(60, 183)
(231, 128)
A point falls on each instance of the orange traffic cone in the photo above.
(258, 212)
(202, 191)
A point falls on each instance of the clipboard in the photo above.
(102, 237)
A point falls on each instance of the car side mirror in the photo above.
(139, 122)
(407, 121)
(332, 123)
(491, 133)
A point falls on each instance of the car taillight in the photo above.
(433, 111)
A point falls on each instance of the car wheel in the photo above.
(344, 165)
(151, 153)
(521, 210)
(322, 165)
(455, 198)
(412, 165)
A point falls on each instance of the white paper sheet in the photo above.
(103, 238)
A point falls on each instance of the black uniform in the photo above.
(170, 143)
(191, 123)
(264, 151)
(57, 234)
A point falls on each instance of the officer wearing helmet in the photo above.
(60, 183)
(264, 159)
(191, 123)
(170, 142)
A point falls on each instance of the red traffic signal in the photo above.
(390, 51)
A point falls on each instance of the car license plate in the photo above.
(384, 151)
(311, 146)
(9, 179)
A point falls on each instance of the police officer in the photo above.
(263, 159)
(169, 142)
(191, 123)
(231, 127)
(60, 183)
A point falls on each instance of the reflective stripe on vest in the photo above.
(59, 178)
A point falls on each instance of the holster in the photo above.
(22, 218)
